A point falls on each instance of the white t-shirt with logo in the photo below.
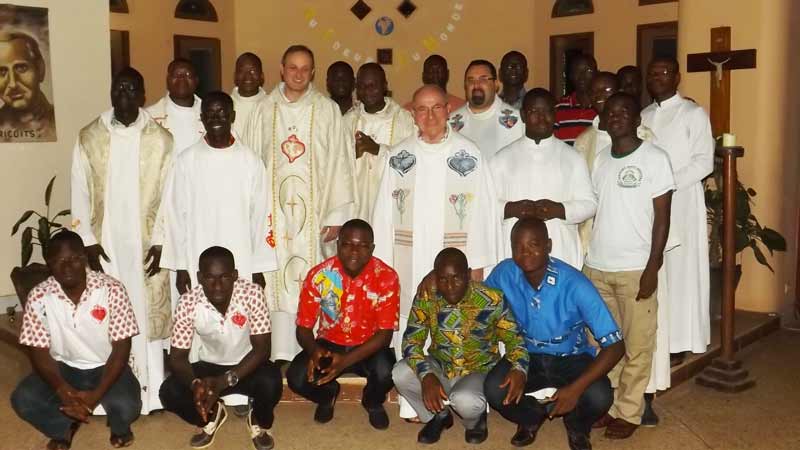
(625, 188)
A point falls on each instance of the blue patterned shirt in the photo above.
(553, 317)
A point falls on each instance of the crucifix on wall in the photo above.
(720, 61)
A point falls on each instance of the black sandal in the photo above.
(120, 441)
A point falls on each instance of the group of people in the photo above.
(402, 243)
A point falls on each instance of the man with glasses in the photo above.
(574, 112)
(486, 119)
(436, 192)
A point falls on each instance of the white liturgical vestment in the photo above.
(682, 129)
(243, 107)
(182, 121)
(492, 129)
(550, 170)
(386, 127)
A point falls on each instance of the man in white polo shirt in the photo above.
(78, 326)
(226, 320)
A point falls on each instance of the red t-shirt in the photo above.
(349, 310)
(571, 119)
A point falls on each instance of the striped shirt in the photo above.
(571, 119)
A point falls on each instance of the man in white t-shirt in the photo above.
(77, 326)
(633, 182)
(226, 320)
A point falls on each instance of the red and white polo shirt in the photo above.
(223, 340)
(78, 335)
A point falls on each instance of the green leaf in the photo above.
(43, 234)
(49, 191)
(25, 216)
(742, 240)
(65, 212)
(773, 240)
(27, 246)
(742, 206)
(760, 256)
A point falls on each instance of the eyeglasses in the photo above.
(479, 80)
(435, 109)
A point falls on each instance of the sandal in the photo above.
(620, 429)
(120, 441)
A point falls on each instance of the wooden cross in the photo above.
(720, 61)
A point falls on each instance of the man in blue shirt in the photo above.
(554, 303)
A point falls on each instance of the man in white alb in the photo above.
(436, 192)
(298, 133)
(218, 196)
(119, 169)
(539, 176)
(249, 79)
(371, 127)
(179, 110)
(486, 119)
(682, 128)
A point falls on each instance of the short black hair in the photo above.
(535, 93)
(217, 96)
(629, 69)
(358, 224)
(614, 78)
(514, 53)
(343, 65)
(252, 56)
(637, 107)
(61, 238)
(216, 253)
(481, 62)
(131, 73)
(452, 254)
(534, 224)
(671, 60)
(181, 60)
(435, 57)
(298, 48)
(372, 66)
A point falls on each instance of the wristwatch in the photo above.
(231, 378)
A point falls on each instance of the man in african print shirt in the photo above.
(465, 321)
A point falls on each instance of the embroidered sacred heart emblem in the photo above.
(293, 148)
(99, 313)
(462, 163)
(457, 122)
(402, 162)
(238, 319)
(507, 119)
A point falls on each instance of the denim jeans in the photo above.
(551, 371)
(37, 403)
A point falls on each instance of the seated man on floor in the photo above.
(78, 326)
(554, 304)
(225, 319)
(465, 321)
(354, 297)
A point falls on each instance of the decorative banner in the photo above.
(26, 114)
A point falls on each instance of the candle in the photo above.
(728, 140)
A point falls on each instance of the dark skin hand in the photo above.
(206, 391)
(365, 144)
(433, 393)
(339, 361)
(567, 397)
(534, 209)
(154, 258)
(94, 253)
(183, 281)
(79, 404)
(648, 283)
(515, 381)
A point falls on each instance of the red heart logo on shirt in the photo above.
(239, 319)
(99, 313)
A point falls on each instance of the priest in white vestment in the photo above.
(542, 177)
(218, 196)
(436, 192)
(119, 168)
(486, 119)
(371, 127)
(682, 128)
(179, 110)
(249, 79)
(298, 133)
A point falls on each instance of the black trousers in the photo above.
(264, 385)
(377, 369)
(551, 371)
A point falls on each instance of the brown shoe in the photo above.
(603, 421)
(620, 429)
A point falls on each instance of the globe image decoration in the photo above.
(384, 26)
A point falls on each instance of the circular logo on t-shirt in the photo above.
(629, 177)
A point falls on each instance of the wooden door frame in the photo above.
(553, 39)
(640, 29)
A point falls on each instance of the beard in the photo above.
(478, 97)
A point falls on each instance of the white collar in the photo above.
(282, 89)
(113, 124)
(544, 143)
(253, 98)
(672, 101)
(435, 145)
(183, 109)
(386, 110)
(489, 113)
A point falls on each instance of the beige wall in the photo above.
(267, 27)
(764, 102)
(80, 67)
(152, 25)
(613, 23)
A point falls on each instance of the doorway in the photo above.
(563, 48)
(655, 40)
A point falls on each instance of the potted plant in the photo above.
(36, 234)
(749, 234)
